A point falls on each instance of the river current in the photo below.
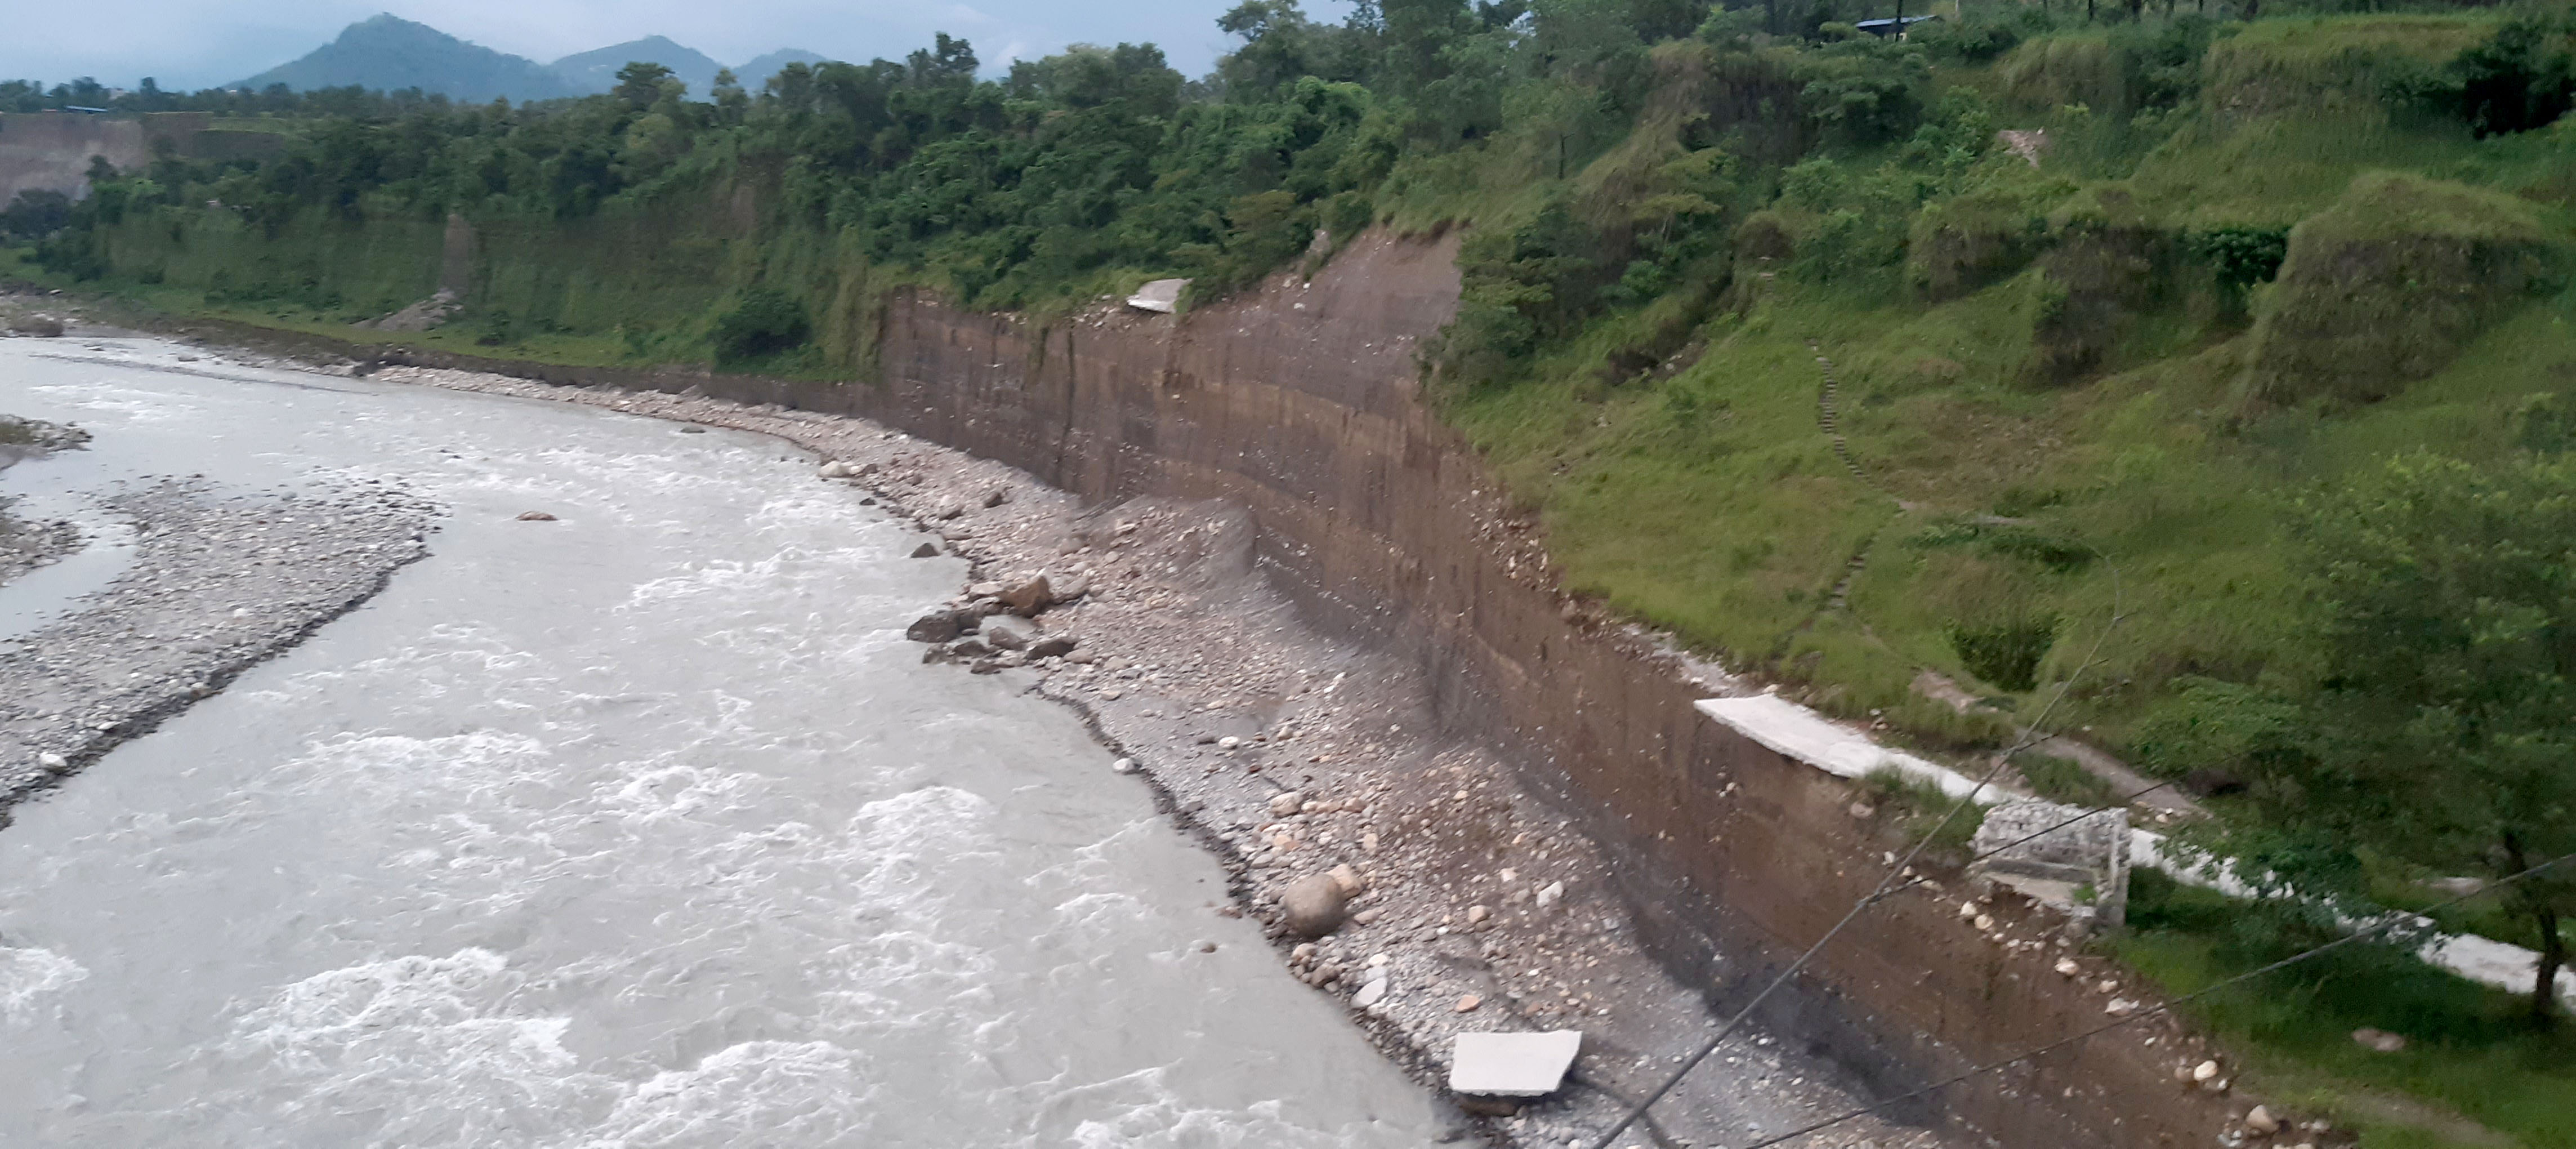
(642, 827)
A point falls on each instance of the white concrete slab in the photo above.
(1800, 733)
(1163, 295)
(1513, 1064)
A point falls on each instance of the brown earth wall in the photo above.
(1298, 402)
(50, 151)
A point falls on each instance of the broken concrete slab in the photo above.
(1163, 295)
(1513, 1064)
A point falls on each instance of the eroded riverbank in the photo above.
(637, 823)
(1483, 908)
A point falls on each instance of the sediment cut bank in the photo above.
(1296, 404)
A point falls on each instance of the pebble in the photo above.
(1124, 766)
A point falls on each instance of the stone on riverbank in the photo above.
(1029, 597)
(936, 626)
(1009, 632)
(926, 551)
(1312, 906)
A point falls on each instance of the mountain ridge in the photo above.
(388, 53)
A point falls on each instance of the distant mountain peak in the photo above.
(756, 71)
(596, 70)
(388, 53)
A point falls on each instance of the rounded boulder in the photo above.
(1313, 906)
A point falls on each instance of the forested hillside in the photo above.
(1894, 369)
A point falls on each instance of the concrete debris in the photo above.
(2058, 855)
(1161, 295)
(1512, 1064)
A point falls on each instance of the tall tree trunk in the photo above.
(2553, 957)
(2535, 899)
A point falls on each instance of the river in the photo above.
(641, 827)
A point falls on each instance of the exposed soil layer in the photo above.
(1296, 404)
(220, 581)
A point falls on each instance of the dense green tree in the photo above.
(2442, 738)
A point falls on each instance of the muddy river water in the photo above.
(640, 827)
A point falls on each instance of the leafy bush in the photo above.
(2006, 652)
(1519, 288)
(766, 322)
(2521, 78)
(2242, 256)
(35, 214)
(1864, 91)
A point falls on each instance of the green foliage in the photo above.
(765, 322)
(2242, 256)
(2228, 728)
(2544, 423)
(2523, 77)
(1920, 810)
(2390, 283)
(2006, 652)
(2064, 780)
(1864, 91)
(2454, 754)
(35, 214)
(2007, 540)
(2469, 1051)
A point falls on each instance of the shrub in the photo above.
(2006, 652)
(2521, 78)
(2242, 256)
(766, 322)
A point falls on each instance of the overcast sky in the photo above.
(190, 44)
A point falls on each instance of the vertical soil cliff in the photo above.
(1298, 403)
